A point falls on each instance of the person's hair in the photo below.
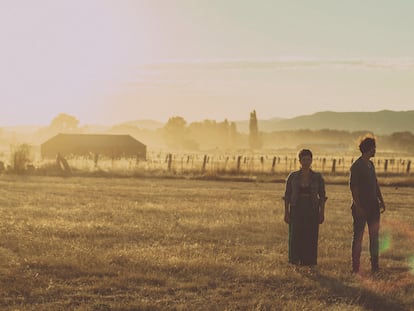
(304, 153)
(366, 143)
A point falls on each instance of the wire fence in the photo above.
(232, 163)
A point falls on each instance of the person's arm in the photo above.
(379, 194)
(322, 213)
(287, 213)
(356, 202)
(355, 196)
(380, 199)
(288, 193)
(353, 182)
(322, 200)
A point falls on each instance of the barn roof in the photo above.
(96, 139)
(100, 143)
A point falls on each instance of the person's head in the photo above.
(367, 146)
(305, 158)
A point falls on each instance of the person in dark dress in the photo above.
(304, 198)
(367, 204)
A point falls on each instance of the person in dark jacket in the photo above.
(304, 211)
(367, 204)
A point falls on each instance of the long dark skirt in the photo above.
(303, 233)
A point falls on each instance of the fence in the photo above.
(229, 163)
(216, 163)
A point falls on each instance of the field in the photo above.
(80, 243)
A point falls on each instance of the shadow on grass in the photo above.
(358, 295)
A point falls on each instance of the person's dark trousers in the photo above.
(373, 221)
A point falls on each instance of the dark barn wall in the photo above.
(85, 144)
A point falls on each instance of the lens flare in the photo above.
(393, 279)
(411, 264)
(385, 242)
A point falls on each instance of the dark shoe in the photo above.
(355, 269)
(375, 270)
(374, 264)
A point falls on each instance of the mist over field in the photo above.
(324, 131)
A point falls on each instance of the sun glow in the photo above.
(116, 61)
(59, 58)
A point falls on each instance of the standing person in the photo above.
(367, 203)
(304, 211)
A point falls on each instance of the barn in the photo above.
(98, 144)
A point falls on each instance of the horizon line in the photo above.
(193, 121)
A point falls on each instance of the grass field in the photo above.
(177, 244)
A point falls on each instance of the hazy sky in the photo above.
(108, 61)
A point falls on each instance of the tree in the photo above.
(64, 122)
(233, 134)
(224, 133)
(254, 139)
(174, 132)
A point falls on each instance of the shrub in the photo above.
(20, 158)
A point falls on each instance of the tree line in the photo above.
(179, 135)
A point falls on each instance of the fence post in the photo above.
(262, 163)
(238, 163)
(182, 164)
(273, 164)
(408, 166)
(386, 165)
(96, 159)
(203, 169)
(333, 166)
(169, 157)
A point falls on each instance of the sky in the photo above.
(112, 61)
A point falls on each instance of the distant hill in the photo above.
(380, 122)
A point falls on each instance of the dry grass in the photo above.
(177, 244)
